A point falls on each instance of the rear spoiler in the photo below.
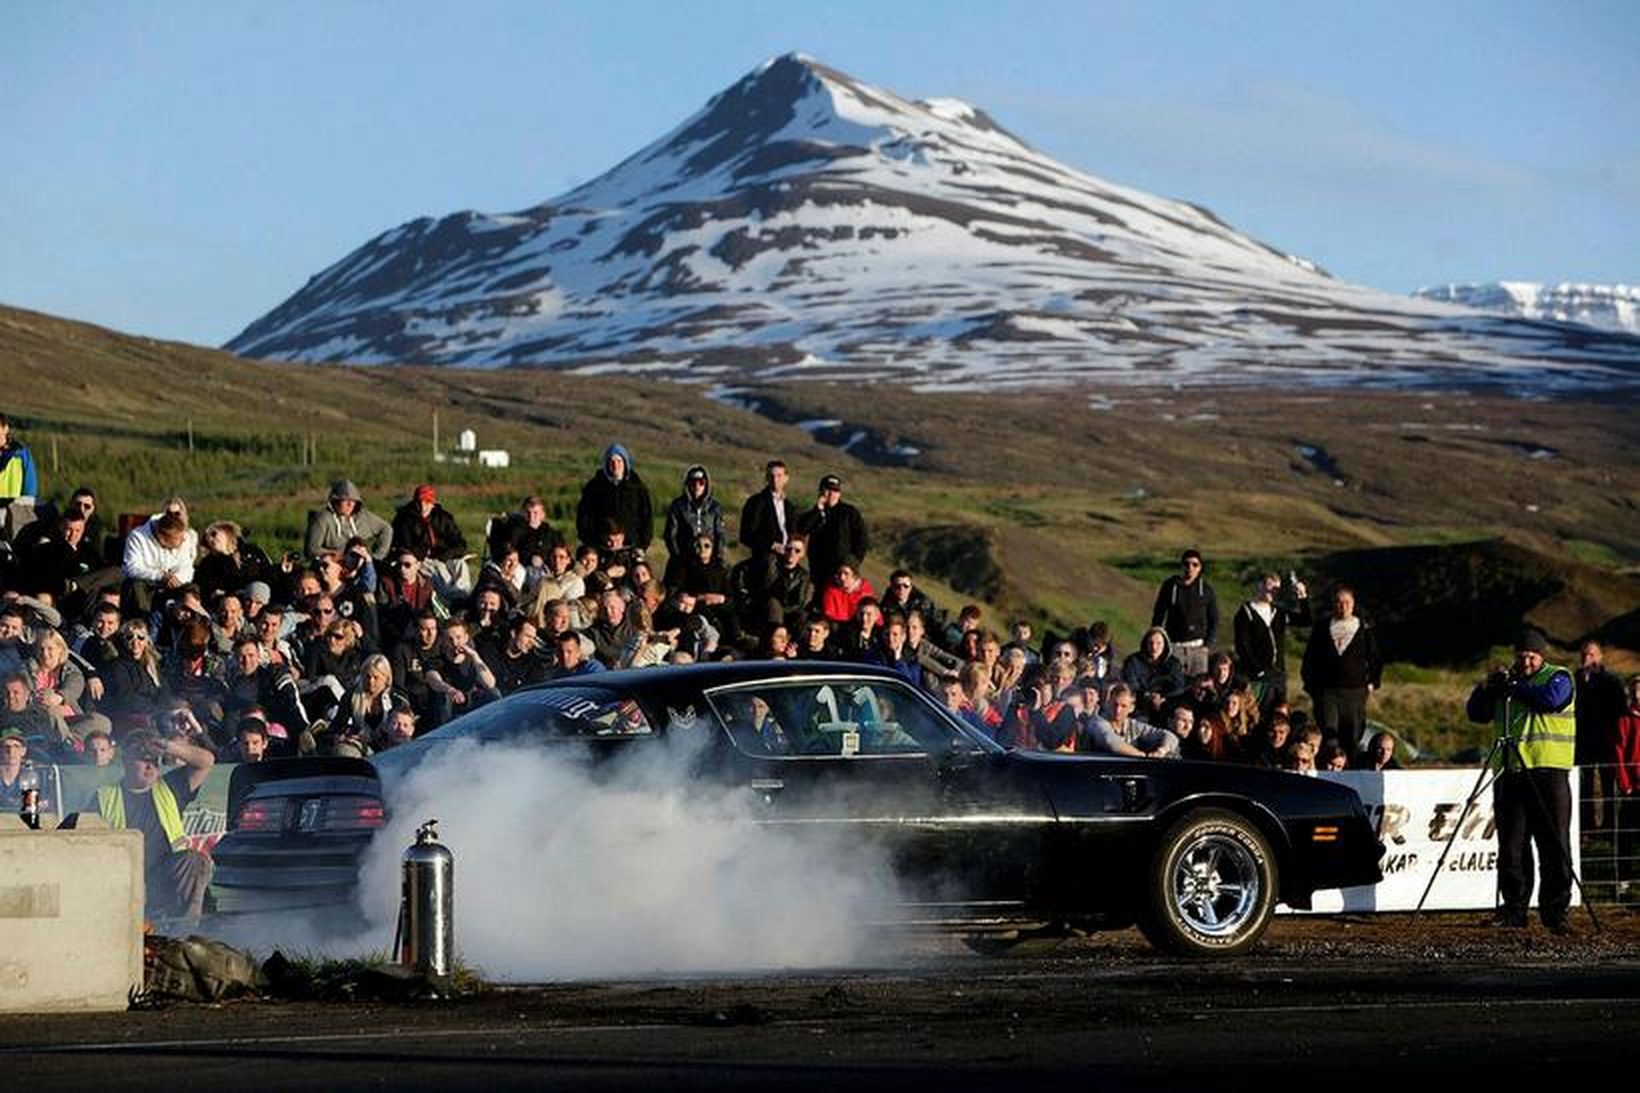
(247, 776)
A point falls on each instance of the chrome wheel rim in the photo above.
(1216, 885)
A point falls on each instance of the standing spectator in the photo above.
(1533, 708)
(768, 518)
(693, 514)
(1341, 665)
(1261, 638)
(526, 531)
(344, 518)
(1188, 612)
(1153, 673)
(1600, 703)
(836, 530)
(18, 477)
(175, 875)
(616, 494)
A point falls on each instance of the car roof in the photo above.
(718, 674)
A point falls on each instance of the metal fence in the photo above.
(1609, 833)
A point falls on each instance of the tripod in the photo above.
(1505, 748)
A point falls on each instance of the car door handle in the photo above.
(768, 785)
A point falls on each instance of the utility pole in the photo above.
(435, 433)
(190, 436)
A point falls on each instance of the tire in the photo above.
(1211, 886)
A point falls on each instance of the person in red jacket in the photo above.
(1626, 757)
(844, 592)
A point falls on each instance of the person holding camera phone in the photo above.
(1532, 708)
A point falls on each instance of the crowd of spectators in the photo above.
(384, 627)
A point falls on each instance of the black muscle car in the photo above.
(1196, 854)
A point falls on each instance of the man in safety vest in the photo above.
(176, 876)
(1532, 708)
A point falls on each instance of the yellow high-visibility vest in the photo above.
(111, 804)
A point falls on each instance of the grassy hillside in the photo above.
(1061, 507)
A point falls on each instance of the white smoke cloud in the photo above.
(563, 870)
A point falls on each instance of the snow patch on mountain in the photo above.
(1609, 307)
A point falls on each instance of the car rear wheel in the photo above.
(1211, 887)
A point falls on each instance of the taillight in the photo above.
(262, 814)
(347, 813)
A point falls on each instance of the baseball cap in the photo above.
(1531, 641)
(831, 482)
(426, 493)
(12, 732)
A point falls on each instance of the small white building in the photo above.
(467, 441)
(494, 457)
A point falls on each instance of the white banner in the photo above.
(1415, 812)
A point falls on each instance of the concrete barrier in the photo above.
(70, 918)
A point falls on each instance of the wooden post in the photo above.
(190, 436)
(435, 433)
(54, 455)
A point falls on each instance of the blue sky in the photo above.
(177, 169)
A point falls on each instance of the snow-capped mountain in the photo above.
(805, 225)
(1610, 307)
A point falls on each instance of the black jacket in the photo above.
(1188, 612)
(435, 537)
(1261, 650)
(626, 502)
(1326, 669)
(835, 533)
(759, 526)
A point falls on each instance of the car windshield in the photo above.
(838, 717)
(570, 712)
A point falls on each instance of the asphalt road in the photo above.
(1329, 1004)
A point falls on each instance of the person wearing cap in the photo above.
(1532, 707)
(344, 517)
(175, 875)
(425, 527)
(1188, 611)
(836, 531)
(616, 494)
(694, 513)
(13, 750)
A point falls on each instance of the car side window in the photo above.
(839, 718)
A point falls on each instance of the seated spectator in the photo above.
(612, 632)
(418, 665)
(251, 683)
(520, 662)
(903, 597)
(1098, 654)
(470, 680)
(1020, 633)
(1153, 673)
(231, 561)
(559, 581)
(99, 647)
(57, 559)
(99, 749)
(527, 532)
(349, 579)
(133, 690)
(841, 596)
(894, 653)
(343, 519)
(976, 686)
(1202, 739)
(1300, 758)
(1268, 751)
(960, 706)
(62, 688)
(929, 657)
(1379, 753)
(405, 594)
(159, 558)
(1008, 676)
(775, 588)
(693, 515)
(777, 643)
(487, 619)
(13, 751)
(251, 740)
(175, 875)
(856, 640)
(1120, 733)
(228, 623)
(194, 673)
(330, 667)
(503, 573)
(427, 530)
(572, 657)
(366, 712)
(616, 493)
(696, 634)
(816, 641)
(1041, 718)
(1332, 757)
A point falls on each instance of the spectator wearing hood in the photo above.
(344, 517)
(692, 514)
(616, 495)
(425, 528)
(1154, 673)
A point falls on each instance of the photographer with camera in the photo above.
(1532, 708)
(175, 875)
